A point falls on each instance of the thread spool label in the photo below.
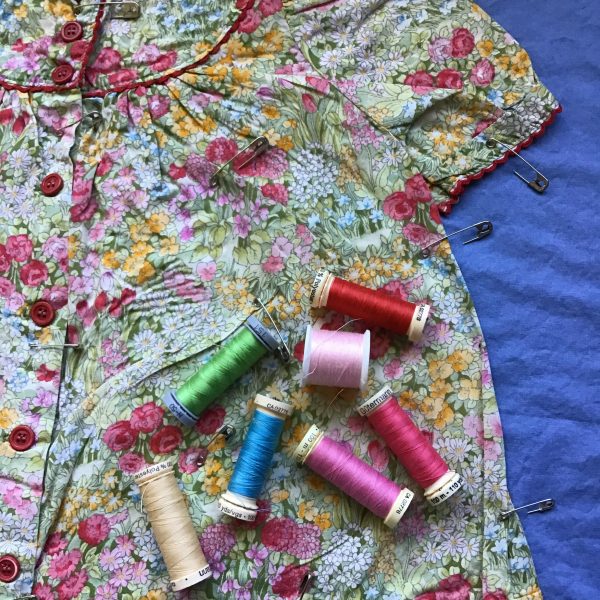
(153, 470)
(181, 412)
(307, 443)
(375, 401)
(419, 314)
(262, 334)
(319, 279)
(447, 491)
(237, 513)
(280, 408)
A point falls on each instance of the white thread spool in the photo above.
(308, 377)
(242, 507)
(172, 525)
(319, 294)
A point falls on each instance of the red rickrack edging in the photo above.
(461, 184)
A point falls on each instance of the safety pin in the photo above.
(283, 350)
(94, 115)
(306, 583)
(38, 345)
(258, 146)
(226, 431)
(542, 506)
(484, 228)
(539, 183)
(131, 12)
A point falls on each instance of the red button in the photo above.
(62, 74)
(71, 31)
(9, 568)
(21, 438)
(52, 184)
(42, 313)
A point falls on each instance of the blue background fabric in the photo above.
(535, 283)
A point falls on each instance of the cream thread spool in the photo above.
(319, 294)
(172, 525)
(243, 507)
(311, 440)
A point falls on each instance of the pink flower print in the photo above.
(463, 43)
(122, 576)
(125, 546)
(473, 427)
(399, 206)
(19, 247)
(275, 191)
(120, 436)
(56, 247)
(7, 287)
(147, 54)
(393, 369)
(260, 213)
(380, 343)
(320, 84)
(106, 592)
(241, 225)
(33, 273)
(491, 450)
(483, 73)
(440, 49)
(492, 422)
(176, 172)
(417, 189)
(56, 295)
(94, 529)
(282, 534)
(122, 76)
(417, 234)
(221, 150)
(269, 7)
(309, 103)
(139, 572)
(496, 595)
(217, 541)
(356, 423)
(108, 60)
(188, 459)
(287, 583)
(272, 164)
(449, 78)
(147, 418)
(282, 247)
(420, 81)
(378, 455)
(273, 264)
(71, 587)
(199, 169)
(15, 301)
(256, 554)
(164, 61)
(109, 560)
(165, 440)
(206, 270)
(63, 564)
(55, 543)
(304, 253)
(250, 21)
(43, 591)
(131, 463)
(5, 259)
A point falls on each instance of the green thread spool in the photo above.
(234, 359)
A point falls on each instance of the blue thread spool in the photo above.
(255, 458)
(220, 372)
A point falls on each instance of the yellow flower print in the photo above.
(440, 388)
(270, 111)
(95, 500)
(8, 416)
(217, 444)
(439, 369)
(323, 521)
(72, 246)
(146, 272)
(307, 511)
(460, 360)
(290, 123)
(207, 125)
(234, 293)
(201, 49)
(155, 595)
(133, 264)
(45, 336)
(212, 466)
(6, 450)
(485, 47)
(405, 268)
(169, 246)
(139, 232)
(216, 72)
(59, 9)
(431, 407)
(215, 485)
(315, 482)
(279, 496)
(531, 593)
(285, 143)
(180, 129)
(110, 479)
(300, 399)
(469, 389)
(520, 63)
(503, 62)
(349, 171)
(274, 40)
(511, 98)
(141, 249)
(444, 418)
(189, 78)
(408, 400)
(21, 12)
(157, 222)
(112, 502)
(110, 260)
(443, 249)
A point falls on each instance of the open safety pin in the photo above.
(542, 506)
(283, 350)
(305, 585)
(226, 431)
(125, 9)
(539, 183)
(258, 146)
(484, 228)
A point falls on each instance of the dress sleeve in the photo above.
(441, 77)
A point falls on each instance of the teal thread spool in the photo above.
(255, 458)
(236, 357)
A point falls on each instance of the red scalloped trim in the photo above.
(131, 85)
(461, 184)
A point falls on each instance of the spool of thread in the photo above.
(411, 447)
(172, 525)
(373, 306)
(255, 458)
(249, 344)
(336, 358)
(338, 465)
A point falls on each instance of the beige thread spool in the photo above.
(172, 525)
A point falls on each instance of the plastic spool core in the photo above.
(448, 484)
(158, 471)
(244, 507)
(364, 370)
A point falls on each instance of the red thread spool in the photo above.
(411, 447)
(374, 306)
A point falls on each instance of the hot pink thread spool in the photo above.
(338, 465)
(410, 446)
(373, 306)
(336, 358)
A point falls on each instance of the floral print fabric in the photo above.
(374, 112)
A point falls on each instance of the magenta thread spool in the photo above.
(336, 358)
(410, 446)
(337, 464)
